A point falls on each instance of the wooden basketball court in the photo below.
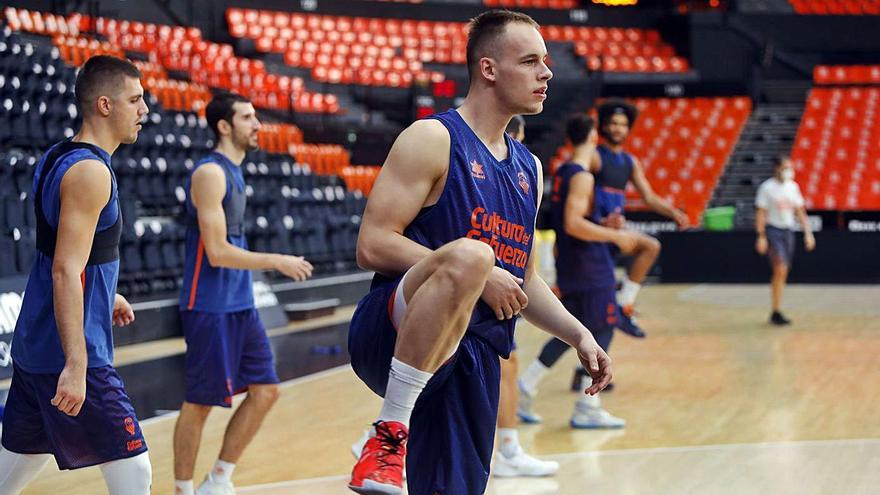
(716, 401)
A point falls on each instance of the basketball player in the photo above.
(584, 264)
(227, 349)
(449, 228)
(613, 168)
(511, 460)
(66, 399)
(778, 200)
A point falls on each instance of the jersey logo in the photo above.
(477, 170)
(523, 183)
(129, 425)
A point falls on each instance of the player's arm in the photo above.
(77, 221)
(546, 312)
(761, 204)
(208, 190)
(418, 159)
(595, 162)
(761, 230)
(652, 200)
(577, 207)
(809, 240)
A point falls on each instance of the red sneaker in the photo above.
(379, 471)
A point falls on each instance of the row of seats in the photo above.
(836, 151)
(183, 49)
(360, 178)
(291, 208)
(213, 64)
(391, 52)
(37, 94)
(309, 215)
(846, 74)
(325, 159)
(40, 23)
(836, 7)
(683, 145)
(174, 94)
(533, 4)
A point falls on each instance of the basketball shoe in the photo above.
(522, 464)
(379, 471)
(213, 487)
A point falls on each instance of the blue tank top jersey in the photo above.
(36, 345)
(580, 265)
(616, 172)
(488, 200)
(216, 289)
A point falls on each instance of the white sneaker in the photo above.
(522, 464)
(358, 446)
(524, 406)
(212, 487)
(595, 418)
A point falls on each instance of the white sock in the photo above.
(184, 487)
(509, 439)
(222, 471)
(532, 376)
(405, 383)
(131, 476)
(628, 292)
(587, 401)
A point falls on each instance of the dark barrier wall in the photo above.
(730, 257)
(819, 33)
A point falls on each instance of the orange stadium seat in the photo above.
(836, 151)
(683, 145)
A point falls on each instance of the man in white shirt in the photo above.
(778, 200)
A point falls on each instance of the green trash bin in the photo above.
(719, 218)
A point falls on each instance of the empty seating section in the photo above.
(213, 64)
(836, 152)
(846, 74)
(324, 159)
(292, 209)
(392, 52)
(337, 49)
(360, 177)
(683, 145)
(533, 4)
(836, 7)
(183, 49)
(619, 49)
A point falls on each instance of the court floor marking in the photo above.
(283, 385)
(610, 453)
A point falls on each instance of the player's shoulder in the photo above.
(209, 169)
(428, 132)
(87, 168)
(425, 142)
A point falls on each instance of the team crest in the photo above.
(477, 170)
(523, 183)
(129, 425)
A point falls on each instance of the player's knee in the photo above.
(469, 260)
(512, 361)
(132, 476)
(197, 411)
(142, 471)
(265, 395)
(651, 245)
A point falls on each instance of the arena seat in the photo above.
(683, 145)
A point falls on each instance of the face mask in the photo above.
(787, 175)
